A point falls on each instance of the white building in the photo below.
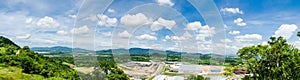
(160, 77)
(175, 78)
(164, 77)
(190, 69)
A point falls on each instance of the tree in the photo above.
(33, 63)
(276, 60)
(26, 48)
(196, 77)
(228, 72)
(298, 34)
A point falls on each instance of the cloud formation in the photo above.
(80, 30)
(232, 10)
(135, 20)
(248, 37)
(47, 22)
(234, 32)
(107, 34)
(61, 32)
(146, 37)
(111, 10)
(162, 23)
(124, 34)
(193, 25)
(183, 37)
(286, 30)
(27, 36)
(239, 22)
(106, 21)
(165, 2)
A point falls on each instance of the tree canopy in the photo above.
(33, 63)
(276, 60)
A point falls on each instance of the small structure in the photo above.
(175, 78)
(144, 63)
(160, 77)
(190, 69)
(174, 68)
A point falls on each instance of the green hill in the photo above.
(26, 62)
(5, 42)
(15, 73)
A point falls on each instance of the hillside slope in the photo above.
(11, 55)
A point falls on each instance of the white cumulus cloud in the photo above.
(80, 30)
(167, 37)
(27, 36)
(107, 34)
(47, 22)
(193, 26)
(249, 37)
(124, 34)
(104, 20)
(205, 31)
(146, 37)
(135, 20)
(28, 20)
(61, 32)
(165, 2)
(160, 23)
(239, 22)
(286, 30)
(232, 10)
(226, 40)
(72, 16)
(111, 10)
(183, 37)
(234, 32)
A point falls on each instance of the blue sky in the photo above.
(157, 24)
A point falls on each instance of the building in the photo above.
(164, 77)
(174, 68)
(190, 69)
(175, 78)
(147, 64)
(160, 77)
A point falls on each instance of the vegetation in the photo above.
(15, 73)
(140, 57)
(33, 63)
(107, 68)
(196, 77)
(228, 72)
(276, 60)
(173, 57)
(24, 64)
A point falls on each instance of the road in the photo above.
(158, 70)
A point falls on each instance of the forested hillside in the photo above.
(22, 62)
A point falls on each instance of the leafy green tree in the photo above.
(276, 60)
(33, 63)
(195, 77)
(228, 72)
(298, 34)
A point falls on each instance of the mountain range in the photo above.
(62, 49)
